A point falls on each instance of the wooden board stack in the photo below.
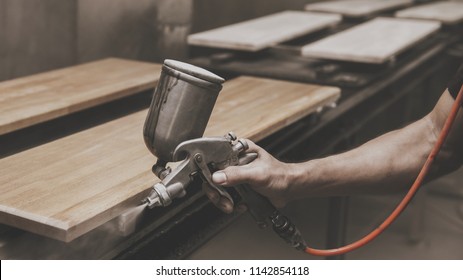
(263, 32)
(446, 12)
(38, 98)
(376, 41)
(357, 8)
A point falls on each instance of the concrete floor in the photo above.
(431, 228)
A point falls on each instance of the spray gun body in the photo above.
(177, 118)
(199, 156)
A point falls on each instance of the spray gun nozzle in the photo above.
(162, 195)
(152, 200)
(157, 197)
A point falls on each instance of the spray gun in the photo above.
(180, 109)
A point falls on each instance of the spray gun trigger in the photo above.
(207, 176)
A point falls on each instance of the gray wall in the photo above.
(36, 36)
(122, 28)
(215, 13)
(172, 25)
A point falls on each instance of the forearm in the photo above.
(386, 164)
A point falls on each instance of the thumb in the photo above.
(230, 176)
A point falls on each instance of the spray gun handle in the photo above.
(263, 211)
(258, 206)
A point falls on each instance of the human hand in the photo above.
(266, 175)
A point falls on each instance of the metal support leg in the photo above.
(337, 224)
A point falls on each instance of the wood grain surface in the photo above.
(375, 41)
(263, 32)
(357, 8)
(65, 188)
(445, 12)
(38, 98)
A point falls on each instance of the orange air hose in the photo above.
(408, 197)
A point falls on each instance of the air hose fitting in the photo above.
(286, 229)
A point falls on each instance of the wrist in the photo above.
(301, 179)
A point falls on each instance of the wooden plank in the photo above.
(445, 12)
(375, 41)
(357, 8)
(38, 98)
(65, 188)
(263, 32)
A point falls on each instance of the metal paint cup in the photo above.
(181, 106)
